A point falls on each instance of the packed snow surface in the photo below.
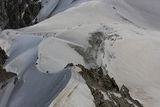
(39, 53)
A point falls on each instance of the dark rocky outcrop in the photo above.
(18, 13)
(95, 78)
(98, 82)
(3, 15)
(3, 74)
(3, 56)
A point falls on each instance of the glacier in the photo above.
(39, 53)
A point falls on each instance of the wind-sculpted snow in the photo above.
(54, 51)
(52, 7)
(94, 33)
(34, 88)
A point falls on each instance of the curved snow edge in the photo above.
(75, 80)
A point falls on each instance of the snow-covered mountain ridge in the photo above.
(128, 51)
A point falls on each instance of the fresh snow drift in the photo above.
(39, 53)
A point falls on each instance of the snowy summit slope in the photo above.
(129, 51)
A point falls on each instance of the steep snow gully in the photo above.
(69, 59)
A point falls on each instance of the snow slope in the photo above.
(35, 88)
(52, 7)
(131, 51)
(143, 12)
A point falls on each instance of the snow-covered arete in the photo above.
(132, 57)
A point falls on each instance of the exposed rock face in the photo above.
(3, 15)
(98, 83)
(3, 74)
(3, 56)
(18, 13)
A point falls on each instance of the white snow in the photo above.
(136, 64)
(74, 93)
(133, 59)
(144, 12)
(54, 54)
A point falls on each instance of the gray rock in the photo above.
(3, 15)
(18, 13)
(98, 82)
(4, 76)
